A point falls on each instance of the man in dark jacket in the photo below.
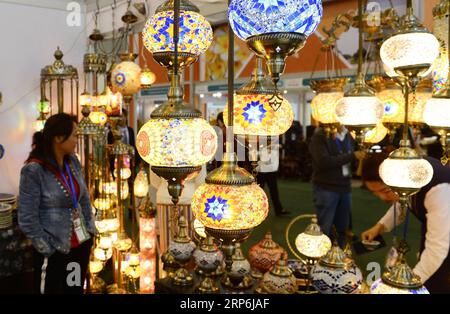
(332, 156)
(128, 137)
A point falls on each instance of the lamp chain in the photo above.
(230, 135)
(360, 37)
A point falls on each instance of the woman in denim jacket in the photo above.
(54, 209)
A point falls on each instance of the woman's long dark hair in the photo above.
(60, 124)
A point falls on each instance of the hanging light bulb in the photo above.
(125, 191)
(276, 29)
(125, 172)
(147, 78)
(106, 221)
(259, 108)
(141, 185)
(114, 106)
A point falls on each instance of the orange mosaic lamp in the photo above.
(328, 93)
(259, 109)
(230, 204)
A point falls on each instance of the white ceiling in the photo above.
(213, 10)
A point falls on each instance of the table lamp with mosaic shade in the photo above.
(274, 30)
(312, 244)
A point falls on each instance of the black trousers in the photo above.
(271, 179)
(57, 274)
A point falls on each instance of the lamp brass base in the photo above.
(97, 285)
(257, 274)
(237, 283)
(207, 286)
(228, 236)
(114, 289)
(183, 278)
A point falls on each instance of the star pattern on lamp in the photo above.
(254, 112)
(268, 6)
(216, 207)
(120, 79)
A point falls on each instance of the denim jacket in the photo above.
(45, 207)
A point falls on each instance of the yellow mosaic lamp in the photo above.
(126, 76)
(391, 95)
(376, 135)
(176, 141)
(328, 93)
(195, 35)
(259, 109)
(147, 78)
(418, 101)
(230, 200)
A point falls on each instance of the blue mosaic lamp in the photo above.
(275, 29)
(195, 35)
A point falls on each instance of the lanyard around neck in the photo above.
(339, 145)
(71, 186)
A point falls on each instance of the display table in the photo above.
(16, 260)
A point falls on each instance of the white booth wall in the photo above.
(30, 35)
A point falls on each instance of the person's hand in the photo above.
(360, 155)
(372, 233)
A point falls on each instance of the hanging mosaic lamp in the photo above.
(195, 36)
(125, 77)
(411, 46)
(440, 67)
(360, 110)
(323, 106)
(436, 112)
(259, 108)
(176, 141)
(274, 30)
(391, 96)
(229, 203)
(147, 78)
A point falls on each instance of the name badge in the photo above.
(346, 170)
(79, 226)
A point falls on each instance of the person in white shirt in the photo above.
(267, 173)
(431, 205)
